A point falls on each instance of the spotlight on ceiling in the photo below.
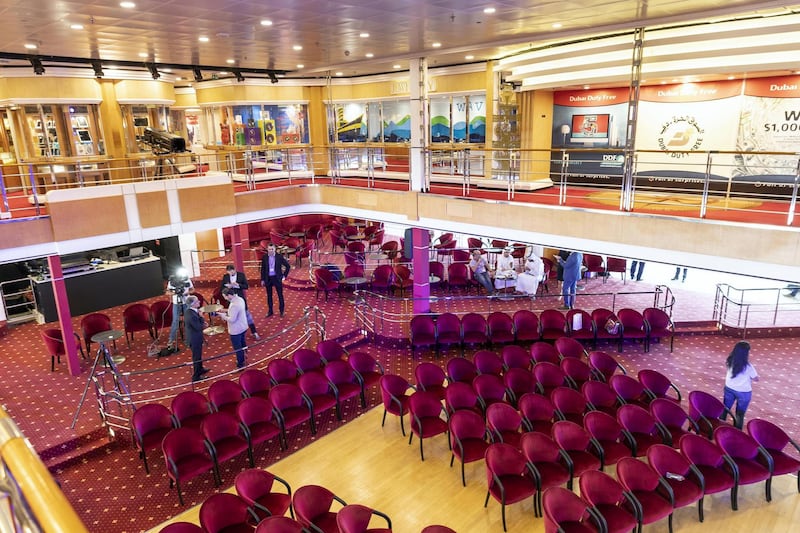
(153, 70)
(272, 77)
(198, 75)
(36, 63)
(238, 74)
(98, 69)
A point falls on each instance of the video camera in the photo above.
(163, 141)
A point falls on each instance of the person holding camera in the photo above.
(236, 317)
(274, 270)
(237, 282)
(179, 288)
(194, 324)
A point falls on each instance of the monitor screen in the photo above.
(136, 250)
(84, 136)
(590, 128)
(140, 122)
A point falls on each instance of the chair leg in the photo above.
(503, 514)
(383, 421)
(700, 509)
(178, 486)
(144, 458)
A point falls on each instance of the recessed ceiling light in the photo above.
(297, 47)
(76, 26)
(370, 54)
(31, 46)
(363, 35)
(266, 22)
(489, 10)
(557, 25)
(587, 86)
(397, 66)
(203, 39)
(300, 65)
(143, 54)
(339, 73)
(663, 82)
(178, 78)
(230, 61)
(436, 45)
(223, 72)
(127, 5)
(469, 57)
(165, 69)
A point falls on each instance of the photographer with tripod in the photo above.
(179, 286)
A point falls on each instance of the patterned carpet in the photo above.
(106, 482)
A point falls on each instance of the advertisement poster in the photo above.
(769, 122)
(674, 120)
(593, 120)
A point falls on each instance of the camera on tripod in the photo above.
(179, 282)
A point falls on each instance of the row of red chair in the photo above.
(499, 328)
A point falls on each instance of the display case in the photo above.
(258, 125)
(58, 130)
(137, 117)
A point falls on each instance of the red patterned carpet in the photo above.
(106, 482)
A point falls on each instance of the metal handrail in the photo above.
(735, 307)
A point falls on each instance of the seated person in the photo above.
(480, 271)
(505, 275)
(528, 281)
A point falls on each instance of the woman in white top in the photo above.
(528, 281)
(738, 381)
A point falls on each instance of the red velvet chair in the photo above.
(602, 318)
(346, 381)
(381, 278)
(580, 325)
(225, 512)
(355, 518)
(460, 370)
(54, 342)
(137, 317)
(395, 398)
(510, 479)
(259, 419)
(719, 472)
(189, 409)
(680, 474)
(775, 440)
(614, 503)
(458, 276)
(227, 436)
(324, 281)
(468, 438)
(659, 326)
(422, 333)
(149, 424)
(653, 497)
(424, 410)
(674, 421)
(634, 327)
(487, 362)
(431, 378)
(752, 461)
(610, 435)
(255, 487)
(448, 332)
(537, 412)
(504, 423)
(187, 456)
(550, 464)
(501, 328)
(92, 324)
(552, 324)
(224, 395)
(566, 511)
(161, 311)
(526, 326)
(657, 385)
(618, 265)
(474, 330)
(313, 506)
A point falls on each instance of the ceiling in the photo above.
(330, 33)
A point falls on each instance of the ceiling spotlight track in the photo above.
(37, 62)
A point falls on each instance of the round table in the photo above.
(377, 256)
(355, 237)
(354, 282)
(209, 309)
(104, 337)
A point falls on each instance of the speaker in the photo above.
(270, 136)
(290, 138)
(408, 244)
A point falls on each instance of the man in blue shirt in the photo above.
(572, 273)
(274, 269)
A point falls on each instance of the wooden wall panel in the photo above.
(206, 202)
(18, 233)
(153, 209)
(78, 219)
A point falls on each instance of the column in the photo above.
(239, 236)
(420, 123)
(64, 316)
(420, 240)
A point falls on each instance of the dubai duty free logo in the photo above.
(680, 135)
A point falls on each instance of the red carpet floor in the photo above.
(106, 482)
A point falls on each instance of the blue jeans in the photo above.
(742, 400)
(568, 289)
(483, 279)
(176, 314)
(239, 344)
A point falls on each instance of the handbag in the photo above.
(612, 326)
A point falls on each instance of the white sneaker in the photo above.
(257, 336)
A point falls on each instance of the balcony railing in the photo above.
(734, 186)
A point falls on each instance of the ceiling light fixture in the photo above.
(198, 75)
(153, 70)
(489, 10)
(203, 39)
(36, 63)
(76, 26)
(143, 54)
(266, 22)
(397, 66)
(31, 46)
(339, 73)
(127, 5)
(370, 54)
(230, 61)
(556, 25)
(272, 77)
(363, 35)
(98, 69)
(300, 66)
(469, 57)
(436, 45)
(297, 47)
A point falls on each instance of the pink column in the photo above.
(420, 240)
(239, 234)
(64, 315)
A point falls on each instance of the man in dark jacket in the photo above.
(274, 269)
(194, 325)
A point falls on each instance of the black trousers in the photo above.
(277, 282)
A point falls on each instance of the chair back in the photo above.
(461, 370)
(487, 362)
(224, 510)
(330, 350)
(53, 341)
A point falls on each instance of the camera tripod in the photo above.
(120, 387)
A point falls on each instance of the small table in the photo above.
(504, 284)
(104, 337)
(298, 234)
(433, 279)
(356, 237)
(354, 282)
(209, 309)
(214, 330)
(377, 256)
